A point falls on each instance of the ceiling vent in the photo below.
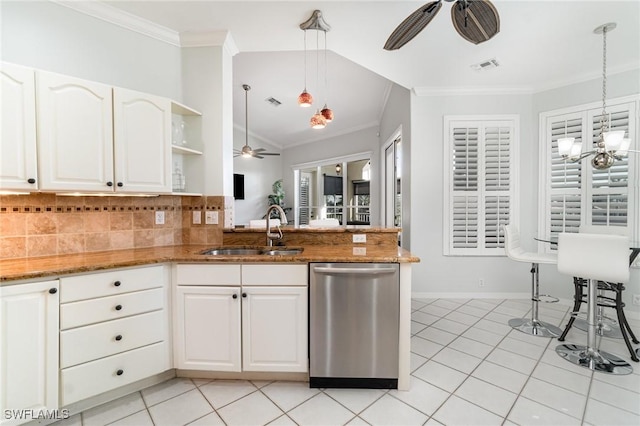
(485, 65)
(273, 101)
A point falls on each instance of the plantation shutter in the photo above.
(576, 192)
(565, 176)
(480, 185)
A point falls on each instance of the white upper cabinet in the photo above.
(75, 141)
(142, 141)
(18, 166)
(92, 137)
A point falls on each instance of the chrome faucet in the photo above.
(283, 221)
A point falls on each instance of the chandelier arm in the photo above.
(582, 156)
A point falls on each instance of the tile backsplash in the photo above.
(48, 224)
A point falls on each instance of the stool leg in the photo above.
(624, 325)
(534, 326)
(589, 356)
(577, 302)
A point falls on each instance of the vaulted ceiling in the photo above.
(541, 45)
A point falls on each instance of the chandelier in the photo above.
(316, 22)
(612, 145)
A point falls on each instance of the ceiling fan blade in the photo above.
(269, 153)
(257, 156)
(476, 21)
(412, 25)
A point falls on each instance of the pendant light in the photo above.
(305, 99)
(316, 22)
(612, 145)
(326, 112)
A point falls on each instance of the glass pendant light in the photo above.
(305, 99)
(326, 112)
(318, 121)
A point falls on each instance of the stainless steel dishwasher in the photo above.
(353, 325)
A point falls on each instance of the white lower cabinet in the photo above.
(241, 318)
(28, 350)
(114, 330)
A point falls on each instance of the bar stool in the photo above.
(594, 257)
(604, 325)
(514, 251)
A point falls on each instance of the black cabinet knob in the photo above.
(117, 283)
(120, 372)
(119, 337)
(109, 183)
(53, 290)
(31, 180)
(118, 307)
(120, 184)
(244, 294)
(235, 296)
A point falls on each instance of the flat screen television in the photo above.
(238, 186)
(332, 185)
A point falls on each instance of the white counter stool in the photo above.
(594, 257)
(606, 326)
(515, 252)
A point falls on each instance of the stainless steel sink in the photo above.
(252, 251)
(231, 251)
(282, 251)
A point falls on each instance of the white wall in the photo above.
(51, 37)
(397, 114)
(259, 176)
(353, 143)
(437, 274)
(455, 274)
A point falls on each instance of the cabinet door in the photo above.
(18, 168)
(28, 348)
(274, 329)
(75, 136)
(207, 332)
(142, 144)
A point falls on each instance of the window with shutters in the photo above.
(576, 194)
(481, 178)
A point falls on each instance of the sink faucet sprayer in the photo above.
(283, 220)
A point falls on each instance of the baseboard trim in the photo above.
(630, 314)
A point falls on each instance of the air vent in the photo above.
(273, 101)
(485, 65)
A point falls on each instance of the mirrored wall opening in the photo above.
(339, 190)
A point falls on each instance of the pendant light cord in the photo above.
(326, 87)
(305, 60)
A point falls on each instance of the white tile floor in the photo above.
(468, 368)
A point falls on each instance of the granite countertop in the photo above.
(53, 266)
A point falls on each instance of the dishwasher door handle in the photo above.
(344, 271)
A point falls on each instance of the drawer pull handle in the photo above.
(117, 283)
(118, 307)
(119, 337)
(120, 372)
(31, 180)
(53, 290)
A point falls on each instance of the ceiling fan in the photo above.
(246, 150)
(475, 20)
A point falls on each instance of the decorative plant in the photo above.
(278, 194)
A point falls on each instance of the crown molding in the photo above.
(123, 19)
(209, 38)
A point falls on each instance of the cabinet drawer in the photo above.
(275, 275)
(93, 378)
(208, 274)
(110, 283)
(76, 314)
(100, 340)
